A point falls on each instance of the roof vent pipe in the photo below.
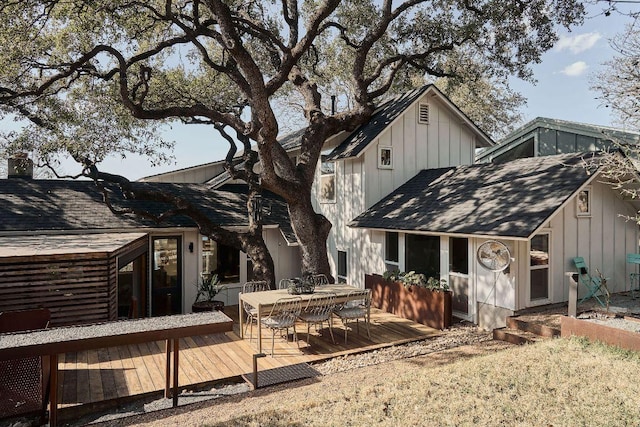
(20, 166)
(333, 105)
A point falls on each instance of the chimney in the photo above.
(333, 105)
(20, 166)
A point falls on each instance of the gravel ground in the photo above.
(612, 321)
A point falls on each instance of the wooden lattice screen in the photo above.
(76, 288)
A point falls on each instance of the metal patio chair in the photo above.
(596, 285)
(283, 315)
(634, 276)
(357, 307)
(285, 283)
(319, 309)
(250, 311)
(319, 279)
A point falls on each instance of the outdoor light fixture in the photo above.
(191, 247)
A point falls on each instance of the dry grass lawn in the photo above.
(553, 383)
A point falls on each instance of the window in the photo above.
(539, 267)
(583, 203)
(220, 259)
(423, 114)
(342, 266)
(327, 181)
(423, 254)
(391, 256)
(385, 158)
(459, 255)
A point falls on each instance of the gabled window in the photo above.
(583, 202)
(423, 114)
(327, 190)
(385, 158)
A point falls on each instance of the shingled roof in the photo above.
(366, 133)
(507, 200)
(65, 205)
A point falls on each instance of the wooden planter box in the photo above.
(431, 308)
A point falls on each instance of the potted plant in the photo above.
(412, 296)
(207, 291)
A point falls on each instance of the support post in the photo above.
(176, 351)
(573, 293)
(167, 371)
(255, 368)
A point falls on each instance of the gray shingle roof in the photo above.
(509, 200)
(63, 205)
(366, 133)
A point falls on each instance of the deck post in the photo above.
(255, 368)
(167, 372)
(176, 351)
(53, 390)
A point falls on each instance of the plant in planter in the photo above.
(207, 289)
(434, 284)
(411, 278)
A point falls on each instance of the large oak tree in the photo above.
(97, 77)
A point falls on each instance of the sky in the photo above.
(562, 91)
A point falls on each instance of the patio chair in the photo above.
(251, 311)
(596, 286)
(285, 283)
(283, 315)
(319, 310)
(319, 279)
(634, 277)
(357, 307)
(24, 383)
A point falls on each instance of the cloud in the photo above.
(578, 43)
(575, 69)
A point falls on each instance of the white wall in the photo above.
(603, 240)
(360, 183)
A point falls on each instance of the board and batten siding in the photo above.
(444, 142)
(602, 239)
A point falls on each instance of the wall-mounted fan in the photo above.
(494, 255)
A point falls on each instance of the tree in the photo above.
(619, 86)
(228, 64)
(619, 81)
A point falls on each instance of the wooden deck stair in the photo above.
(527, 329)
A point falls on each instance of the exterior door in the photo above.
(539, 269)
(459, 275)
(166, 276)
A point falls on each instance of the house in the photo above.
(403, 191)
(61, 247)
(543, 136)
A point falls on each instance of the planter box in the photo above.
(596, 332)
(431, 308)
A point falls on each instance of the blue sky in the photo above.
(567, 72)
(562, 92)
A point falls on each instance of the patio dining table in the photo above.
(263, 301)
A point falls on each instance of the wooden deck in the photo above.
(111, 375)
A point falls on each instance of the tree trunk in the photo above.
(263, 266)
(312, 230)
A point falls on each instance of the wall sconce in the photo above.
(191, 247)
